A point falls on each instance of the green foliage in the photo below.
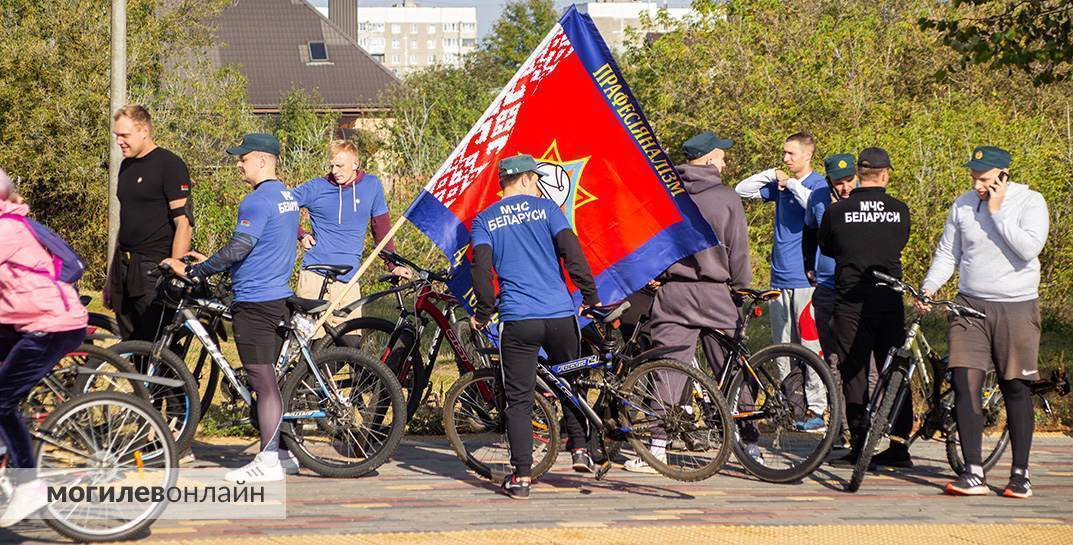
(856, 74)
(1034, 36)
(518, 31)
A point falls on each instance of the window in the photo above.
(364, 43)
(469, 42)
(413, 44)
(377, 27)
(469, 26)
(430, 44)
(394, 44)
(450, 42)
(432, 29)
(361, 27)
(413, 28)
(318, 52)
(394, 59)
(450, 27)
(432, 59)
(396, 28)
(378, 57)
(413, 59)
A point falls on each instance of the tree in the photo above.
(1035, 36)
(517, 32)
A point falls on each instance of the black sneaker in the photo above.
(516, 489)
(968, 484)
(1019, 487)
(896, 455)
(583, 461)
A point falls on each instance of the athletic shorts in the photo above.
(257, 332)
(1008, 338)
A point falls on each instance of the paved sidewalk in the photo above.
(426, 489)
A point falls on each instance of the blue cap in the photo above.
(518, 164)
(256, 141)
(840, 166)
(988, 157)
(702, 144)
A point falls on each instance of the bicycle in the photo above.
(895, 384)
(341, 409)
(398, 345)
(98, 439)
(86, 369)
(658, 399)
(757, 389)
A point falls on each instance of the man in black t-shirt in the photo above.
(156, 221)
(867, 232)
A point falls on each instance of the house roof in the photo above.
(269, 41)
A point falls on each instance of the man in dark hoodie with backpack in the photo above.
(696, 291)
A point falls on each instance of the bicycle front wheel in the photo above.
(678, 420)
(103, 439)
(474, 422)
(347, 422)
(878, 427)
(785, 402)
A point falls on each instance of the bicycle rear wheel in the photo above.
(121, 434)
(878, 428)
(106, 362)
(179, 405)
(767, 409)
(474, 424)
(352, 423)
(679, 409)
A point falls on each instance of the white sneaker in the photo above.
(27, 499)
(289, 463)
(638, 465)
(257, 471)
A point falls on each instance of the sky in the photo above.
(487, 10)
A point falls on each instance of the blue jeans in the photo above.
(27, 357)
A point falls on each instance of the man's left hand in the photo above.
(176, 266)
(998, 191)
(403, 272)
(477, 326)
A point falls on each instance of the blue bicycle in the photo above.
(673, 416)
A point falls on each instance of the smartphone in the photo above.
(1002, 178)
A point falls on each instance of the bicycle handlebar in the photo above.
(899, 286)
(421, 271)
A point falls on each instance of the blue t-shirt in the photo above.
(787, 265)
(340, 216)
(817, 205)
(270, 214)
(521, 231)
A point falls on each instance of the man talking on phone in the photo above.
(993, 237)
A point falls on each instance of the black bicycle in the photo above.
(673, 415)
(896, 382)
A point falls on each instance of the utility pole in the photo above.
(119, 99)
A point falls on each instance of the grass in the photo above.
(1055, 342)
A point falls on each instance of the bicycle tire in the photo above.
(715, 416)
(204, 370)
(100, 322)
(386, 395)
(813, 460)
(98, 358)
(360, 325)
(877, 428)
(405, 347)
(544, 457)
(181, 405)
(166, 460)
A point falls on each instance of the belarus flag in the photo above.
(569, 107)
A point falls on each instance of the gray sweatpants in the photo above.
(787, 314)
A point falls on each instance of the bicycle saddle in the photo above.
(331, 271)
(758, 295)
(607, 313)
(307, 306)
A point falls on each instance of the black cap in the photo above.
(256, 141)
(702, 144)
(873, 158)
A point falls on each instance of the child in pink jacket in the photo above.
(41, 320)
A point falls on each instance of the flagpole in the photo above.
(335, 303)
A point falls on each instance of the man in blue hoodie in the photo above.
(341, 206)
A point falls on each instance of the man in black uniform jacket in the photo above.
(156, 221)
(866, 232)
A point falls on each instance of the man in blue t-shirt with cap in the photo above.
(790, 193)
(260, 257)
(527, 240)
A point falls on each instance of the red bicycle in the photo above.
(398, 344)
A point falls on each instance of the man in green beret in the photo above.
(695, 291)
(993, 237)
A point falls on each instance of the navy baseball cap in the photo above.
(988, 157)
(519, 164)
(839, 166)
(256, 141)
(873, 158)
(702, 144)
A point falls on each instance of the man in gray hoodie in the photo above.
(993, 237)
(695, 291)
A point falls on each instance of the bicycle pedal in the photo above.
(602, 470)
